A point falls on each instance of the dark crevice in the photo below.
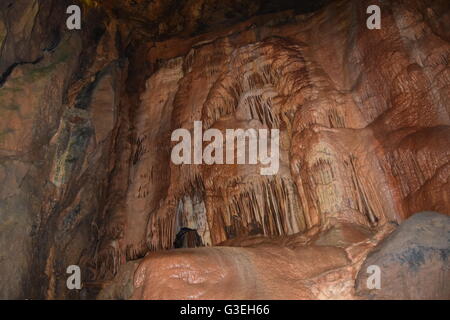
(4, 77)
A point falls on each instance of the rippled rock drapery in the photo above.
(85, 124)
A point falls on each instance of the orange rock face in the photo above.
(85, 145)
(355, 136)
(297, 267)
(363, 116)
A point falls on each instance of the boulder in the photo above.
(413, 260)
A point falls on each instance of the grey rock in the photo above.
(413, 260)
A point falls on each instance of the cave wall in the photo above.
(86, 118)
(60, 115)
(363, 117)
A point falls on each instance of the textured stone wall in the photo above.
(86, 118)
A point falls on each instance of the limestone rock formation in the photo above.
(298, 267)
(86, 118)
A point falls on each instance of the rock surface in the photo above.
(86, 118)
(414, 261)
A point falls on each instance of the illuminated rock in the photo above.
(86, 119)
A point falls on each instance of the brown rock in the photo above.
(86, 118)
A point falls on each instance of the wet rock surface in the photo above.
(85, 124)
